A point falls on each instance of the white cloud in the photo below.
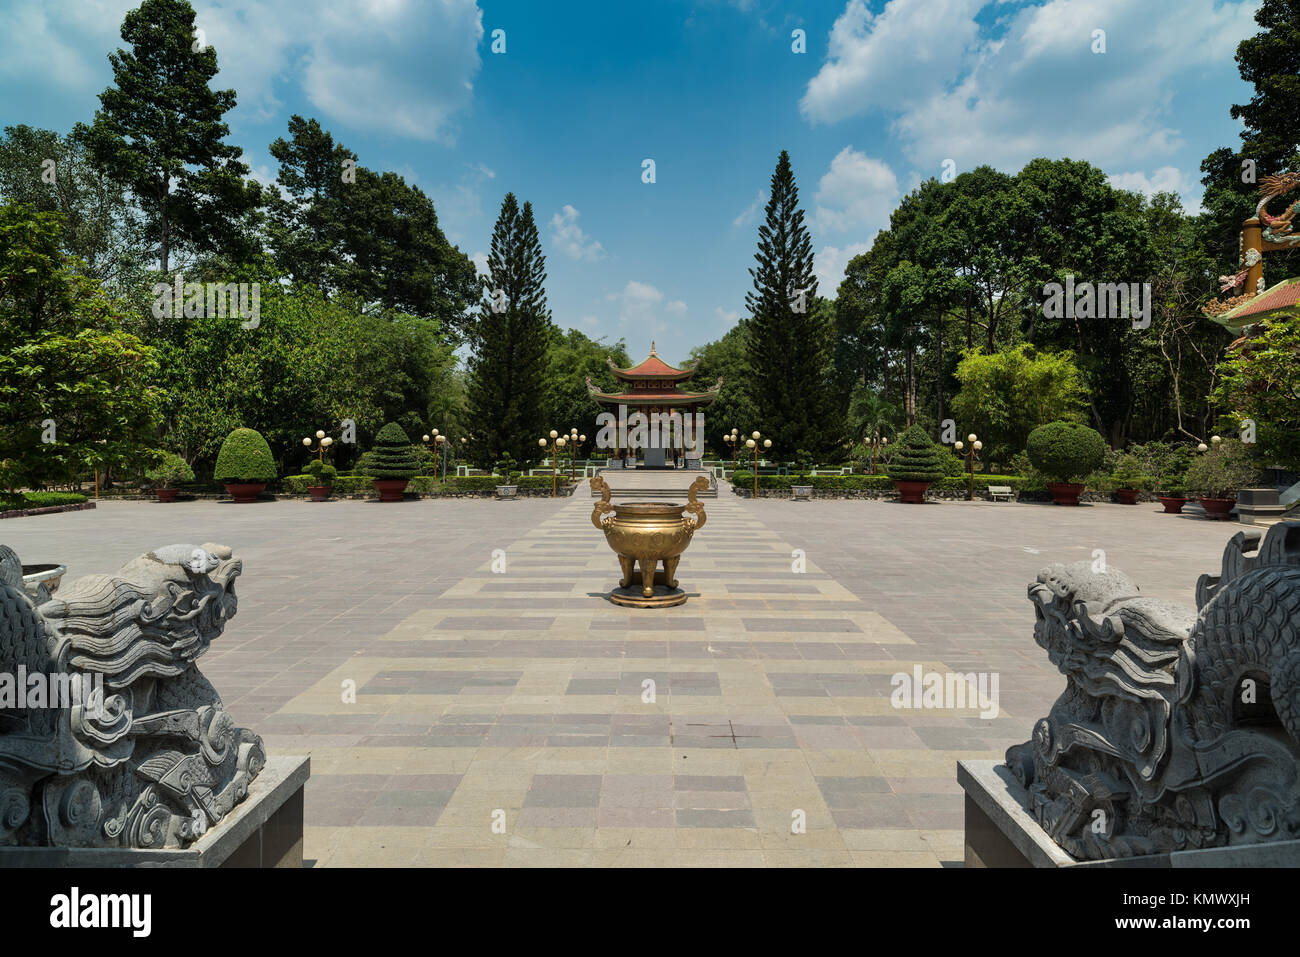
(1166, 179)
(830, 263)
(676, 307)
(749, 215)
(569, 236)
(640, 306)
(480, 260)
(393, 66)
(1007, 87)
(728, 317)
(857, 192)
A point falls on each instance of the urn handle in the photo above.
(599, 515)
(694, 506)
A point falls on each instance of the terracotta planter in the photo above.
(390, 490)
(1127, 496)
(912, 493)
(245, 492)
(1173, 503)
(1065, 493)
(166, 494)
(319, 493)
(1218, 508)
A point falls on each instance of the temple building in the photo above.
(653, 389)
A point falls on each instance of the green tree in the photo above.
(160, 133)
(74, 384)
(1260, 382)
(101, 230)
(790, 333)
(572, 358)
(507, 369)
(726, 358)
(1006, 395)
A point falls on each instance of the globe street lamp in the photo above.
(752, 443)
(1213, 439)
(556, 443)
(437, 440)
(574, 440)
(323, 442)
(971, 458)
(732, 438)
(876, 443)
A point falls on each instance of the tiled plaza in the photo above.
(468, 696)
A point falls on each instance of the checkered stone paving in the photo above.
(469, 696)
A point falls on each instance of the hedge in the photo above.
(420, 484)
(859, 483)
(41, 500)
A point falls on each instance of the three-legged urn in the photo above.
(643, 535)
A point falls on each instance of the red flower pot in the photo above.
(1173, 504)
(166, 494)
(1065, 493)
(390, 490)
(1218, 508)
(245, 492)
(912, 493)
(319, 493)
(1127, 496)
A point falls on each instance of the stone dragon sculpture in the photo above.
(1179, 728)
(151, 759)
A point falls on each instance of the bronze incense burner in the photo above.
(645, 534)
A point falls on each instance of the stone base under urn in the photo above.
(633, 596)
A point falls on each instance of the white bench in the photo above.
(1001, 491)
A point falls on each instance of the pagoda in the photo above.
(653, 387)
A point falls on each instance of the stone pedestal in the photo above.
(1254, 504)
(264, 830)
(1001, 833)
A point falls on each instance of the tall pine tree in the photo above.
(790, 343)
(160, 133)
(508, 366)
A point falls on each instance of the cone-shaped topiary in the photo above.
(1066, 451)
(244, 458)
(917, 458)
(392, 457)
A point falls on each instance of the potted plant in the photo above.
(324, 475)
(507, 489)
(916, 465)
(169, 470)
(1065, 452)
(1216, 475)
(244, 465)
(394, 463)
(804, 464)
(1172, 495)
(1128, 479)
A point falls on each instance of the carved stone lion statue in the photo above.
(150, 759)
(1178, 728)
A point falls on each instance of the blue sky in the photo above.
(711, 90)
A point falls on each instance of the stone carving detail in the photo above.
(147, 759)
(1179, 728)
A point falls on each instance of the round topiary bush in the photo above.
(916, 458)
(1066, 451)
(244, 458)
(392, 457)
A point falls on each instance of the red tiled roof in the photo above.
(1281, 296)
(652, 366)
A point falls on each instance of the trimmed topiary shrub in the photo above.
(244, 457)
(1066, 451)
(917, 459)
(1128, 474)
(169, 471)
(392, 456)
(323, 473)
